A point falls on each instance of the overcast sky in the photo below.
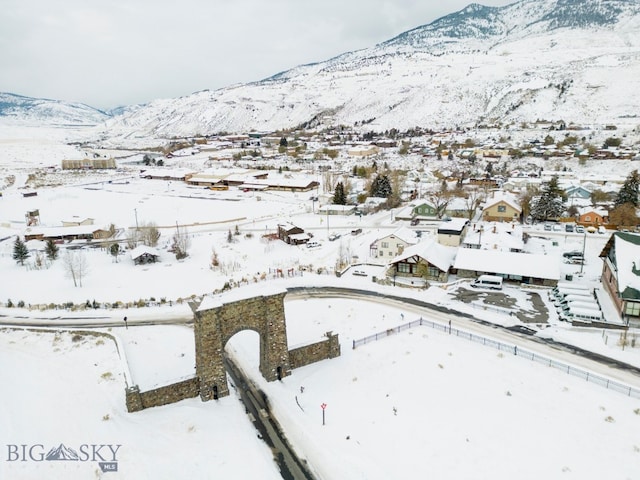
(107, 53)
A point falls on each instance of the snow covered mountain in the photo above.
(39, 111)
(571, 60)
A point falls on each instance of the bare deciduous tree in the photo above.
(149, 234)
(76, 267)
(181, 243)
(474, 197)
(133, 237)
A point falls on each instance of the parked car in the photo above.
(568, 228)
(547, 227)
(574, 253)
(592, 229)
(313, 244)
(601, 229)
(557, 227)
(415, 221)
(359, 273)
(579, 229)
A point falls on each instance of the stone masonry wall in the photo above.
(315, 352)
(137, 400)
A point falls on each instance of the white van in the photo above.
(562, 294)
(588, 297)
(567, 287)
(582, 314)
(488, 281)
(566, 307)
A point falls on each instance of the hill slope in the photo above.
(17, 109)
(575, 60)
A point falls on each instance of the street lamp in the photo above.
(584, 241)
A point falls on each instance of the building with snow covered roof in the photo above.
(506, 237)
(425, 260)
(394, 244)
(452, 230)
(520, 267)
(501, 207)
(143, 254)
(592, 216)
(621, 274)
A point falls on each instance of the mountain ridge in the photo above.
(575, 60)
(19, 108)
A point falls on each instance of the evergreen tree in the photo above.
(114, 250)
(339, 197)
(283, 142)
(629, 191)
(381, 187)
(550, 203)
(51, 249)
(20, 251)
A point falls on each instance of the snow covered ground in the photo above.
(417, 404)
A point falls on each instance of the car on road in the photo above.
(574, 253)
(334, 236)
(356, 231)
(359, 273)
(415, 221)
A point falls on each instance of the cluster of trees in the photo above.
(549, 202)
(74, 261)
(626, 203)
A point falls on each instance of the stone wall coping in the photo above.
(215, 301)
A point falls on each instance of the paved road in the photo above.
(257, 407)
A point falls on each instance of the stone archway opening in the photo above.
(216, 323)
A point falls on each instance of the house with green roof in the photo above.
(621, 274)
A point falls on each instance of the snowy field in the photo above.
(417, 404)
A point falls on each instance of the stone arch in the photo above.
(216, 323)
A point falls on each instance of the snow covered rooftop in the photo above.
(434, 253)
(509, 263)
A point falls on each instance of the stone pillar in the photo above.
(274, 349)
(133, 399)
(209, 355)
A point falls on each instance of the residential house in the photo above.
(289, 233)
(577, 192)
(458, 207)
(392, 245)
(501, 207)
(621, 274)
(67, 234)
(506, 237)
(592, 216)
(427, 260)
(425, 209)
(76, 221)
(452, 230)
(333, 209)
(143, 254)
(526, 268)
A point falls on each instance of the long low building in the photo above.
(522, 267)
